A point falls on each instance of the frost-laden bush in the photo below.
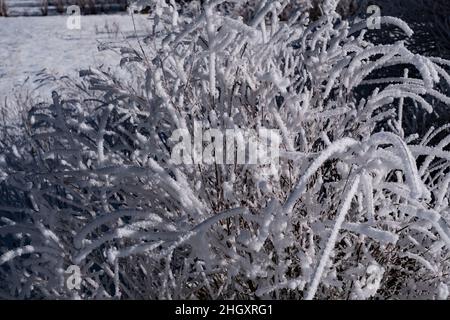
(354, 210)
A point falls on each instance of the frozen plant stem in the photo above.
(212, 55)
(333, 236)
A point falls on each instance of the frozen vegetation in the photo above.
(356, 208)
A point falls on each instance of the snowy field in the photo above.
(29, 45)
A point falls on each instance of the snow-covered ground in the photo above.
(29, 45)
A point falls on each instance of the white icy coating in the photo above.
(356, 209)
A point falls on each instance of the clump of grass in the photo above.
(354, 202)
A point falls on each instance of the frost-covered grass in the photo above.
(359, 208)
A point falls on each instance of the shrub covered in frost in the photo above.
(355, 210)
